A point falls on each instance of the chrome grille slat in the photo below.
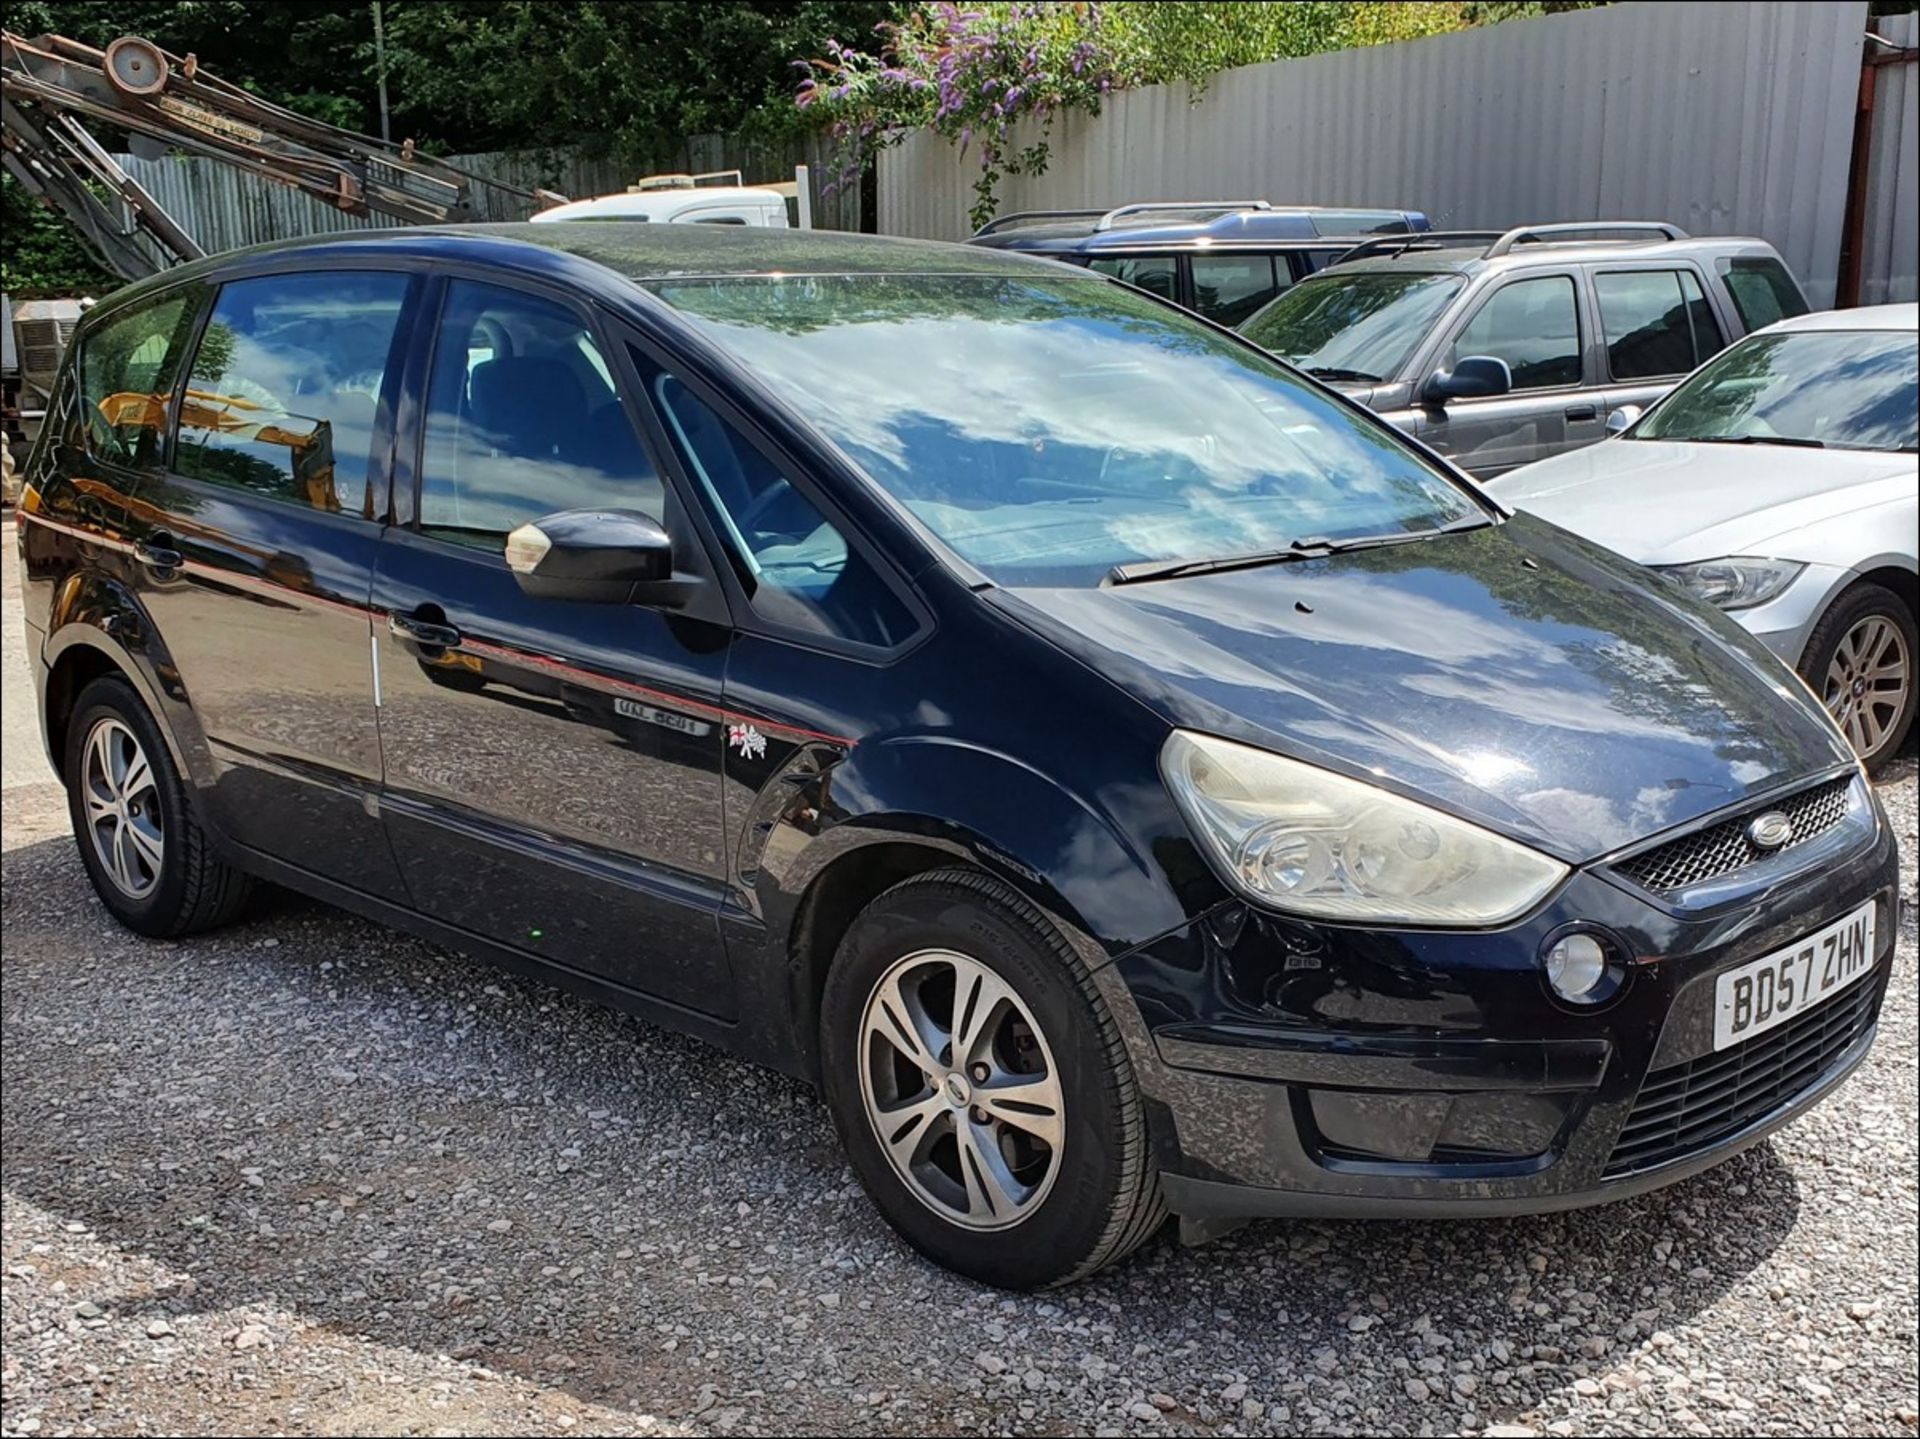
(1722, 848)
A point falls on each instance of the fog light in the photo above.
(1577, 969)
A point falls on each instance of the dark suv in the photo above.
(1225, 259)
(1126, 775)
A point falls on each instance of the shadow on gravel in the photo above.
(309, 1113)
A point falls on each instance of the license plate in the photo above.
(1767, 992)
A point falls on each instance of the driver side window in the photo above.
(798, 569)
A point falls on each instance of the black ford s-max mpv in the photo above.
(1127, 777)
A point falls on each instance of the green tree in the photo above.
(492, 74)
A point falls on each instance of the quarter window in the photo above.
(1229, 288)
(1762, 290)
(523, 420)
(1156, 274)
(285, 387)
(1534, 326)
(799, 570)
(127, 370)
(1657, 323)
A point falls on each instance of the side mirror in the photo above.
(599, 556)
(1473, 377)
(1621, 420)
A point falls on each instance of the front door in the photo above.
(257, 548)
(1533, 323)
(552, 766)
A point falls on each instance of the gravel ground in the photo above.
(306, 1176)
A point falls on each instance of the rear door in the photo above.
(1531, 321)
(257, 550)
(552, 766)
(1656, 324)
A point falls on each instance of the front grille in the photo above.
(1724, 847)
(1693, 1106)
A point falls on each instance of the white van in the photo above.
(684, 200)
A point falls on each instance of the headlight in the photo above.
(1312, 842)
(1736, 583)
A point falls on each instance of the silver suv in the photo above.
(1501, 349)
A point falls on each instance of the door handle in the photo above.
(1583, 412)
(425, 633)
(155, 554)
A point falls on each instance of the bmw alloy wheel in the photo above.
(1866, 682)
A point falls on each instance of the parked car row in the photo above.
(1501, 350)
(1128, 775)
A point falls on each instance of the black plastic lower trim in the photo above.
(1203, 1199)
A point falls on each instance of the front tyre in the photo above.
(981, 1087)
(149, 859)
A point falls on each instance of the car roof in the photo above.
(654, 202)
(591, 255)
(1469, 257)
(1172, 225)
(1867, 317)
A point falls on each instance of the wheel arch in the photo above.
(99, 628)
(973, 809)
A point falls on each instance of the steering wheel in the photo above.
(763, 502)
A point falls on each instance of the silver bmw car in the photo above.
(1778, 482)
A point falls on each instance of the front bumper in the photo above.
(1301, 1069)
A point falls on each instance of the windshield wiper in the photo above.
(1793, 440)
(1334, 372)
(1312, 548)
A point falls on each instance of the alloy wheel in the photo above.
(1866, 682)
(122, 800)
(961, 1089)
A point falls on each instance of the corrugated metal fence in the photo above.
(1890, 238)
(224, 208)
(1726, 118)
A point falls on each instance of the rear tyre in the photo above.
(1860, 661)
(151, 862)
(982, 1089)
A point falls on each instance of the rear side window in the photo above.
(1762, 290)
(285, 387)
(798, 569)
(1534, 326)
(523, 419)
(127, 370)
(1156, 274)
(1228, 289)
(1657, 323)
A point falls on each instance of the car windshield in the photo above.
(1843, 389)
(1357, 326)
(1049, 429)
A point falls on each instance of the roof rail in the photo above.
(1148, 207)
(1528, 233)
(1414, 240)
(1033, 217)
